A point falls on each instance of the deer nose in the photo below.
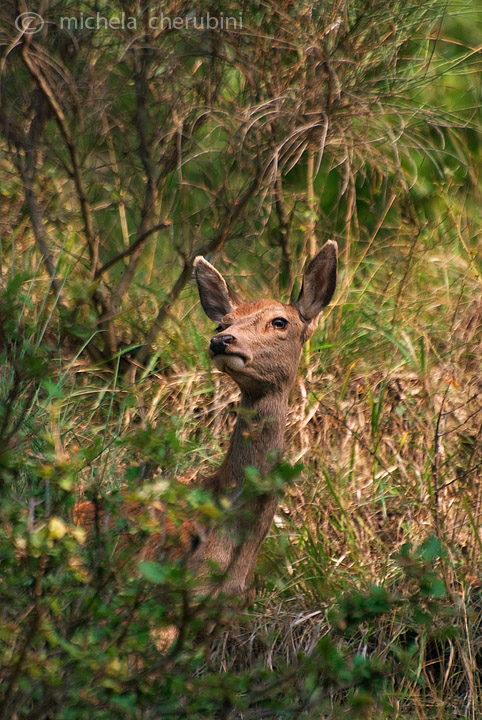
(219, 343)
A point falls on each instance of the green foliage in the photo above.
(124, 153)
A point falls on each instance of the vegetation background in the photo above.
(126, 151)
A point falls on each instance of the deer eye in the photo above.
(279, 323)
(218, 329)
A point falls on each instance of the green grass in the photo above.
(369, 584)
(369, 594)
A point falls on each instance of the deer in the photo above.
(258, 343)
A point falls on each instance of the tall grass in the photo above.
(369, 585)
(369, 601)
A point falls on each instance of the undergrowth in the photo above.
(369, 600)
(123, 156)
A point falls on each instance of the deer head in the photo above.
(259, 342)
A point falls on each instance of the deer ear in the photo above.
(216, 296)
(319, 283)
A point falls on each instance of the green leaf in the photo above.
(153, 572)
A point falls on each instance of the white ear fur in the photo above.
(217, 298)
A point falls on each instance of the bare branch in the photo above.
(286, 275)
(216, 243)
(151, 195)
(132, 248)
(64, 129)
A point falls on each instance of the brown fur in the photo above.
(174, 542)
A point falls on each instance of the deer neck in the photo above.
(257, 440)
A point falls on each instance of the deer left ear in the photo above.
(319, 283)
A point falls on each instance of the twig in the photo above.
(132, 248)
(27, 642)
(117, 183)
(64, 129)
(284, 234)
(216, 243)
(151, 194)
(434, 462)
(363, 444)
(92, 238)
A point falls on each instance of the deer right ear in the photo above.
(216, 296)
